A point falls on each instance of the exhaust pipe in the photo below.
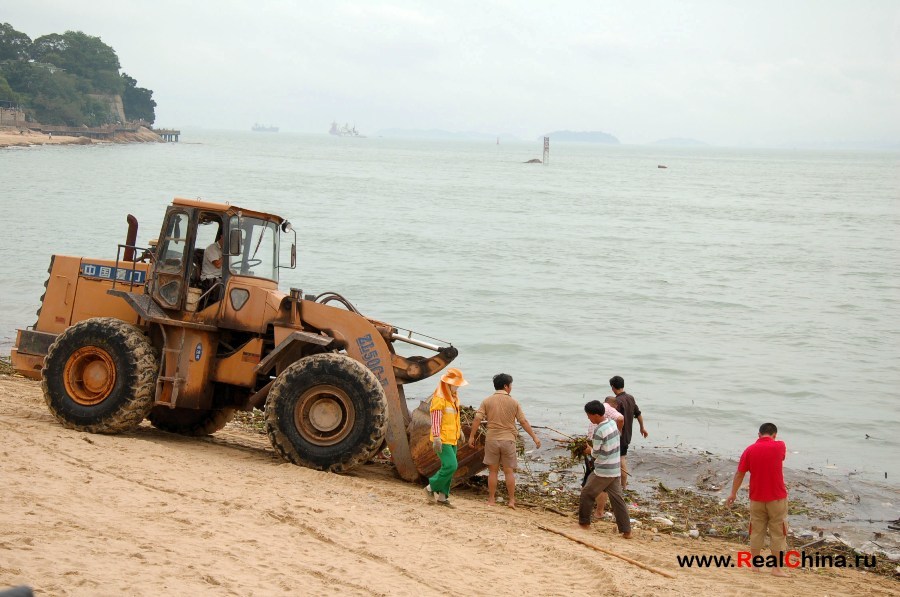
(131, 238)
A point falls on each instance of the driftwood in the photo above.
(608, 552)
(542, 507)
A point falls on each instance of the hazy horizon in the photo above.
(768, 74)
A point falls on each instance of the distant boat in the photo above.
(344, 131)
(261, 128)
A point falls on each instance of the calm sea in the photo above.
(732, 288)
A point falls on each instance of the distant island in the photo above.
(583, 137)
(679, 142)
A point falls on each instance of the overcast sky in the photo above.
(724, 72)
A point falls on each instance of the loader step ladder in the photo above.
(176, 380)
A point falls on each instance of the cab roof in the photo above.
(226, 208)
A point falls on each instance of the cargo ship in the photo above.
(261, 128)
(344, 131)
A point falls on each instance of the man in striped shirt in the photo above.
(607, 471)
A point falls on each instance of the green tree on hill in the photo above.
(14, 45)
(81, 55)
(57, 78)
(6, 92)
(138, 102)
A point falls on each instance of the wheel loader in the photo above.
(163, 334)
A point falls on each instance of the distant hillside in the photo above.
(70, 79)
(583, 137)
(441, 134)
(679, 142)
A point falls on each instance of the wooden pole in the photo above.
(608, 552)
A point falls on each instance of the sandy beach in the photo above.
(11, 137)
(149, 513)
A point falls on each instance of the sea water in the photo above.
(731, 288)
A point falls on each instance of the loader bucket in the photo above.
(427, 463)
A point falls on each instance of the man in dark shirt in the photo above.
(626, 405)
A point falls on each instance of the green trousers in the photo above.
(440, 482)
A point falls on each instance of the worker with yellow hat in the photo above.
(446, 433)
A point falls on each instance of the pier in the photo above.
(97, 132)
(102, 132)
(168, 135)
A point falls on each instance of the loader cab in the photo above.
(253, 247)
(187, 234)
(248, 247)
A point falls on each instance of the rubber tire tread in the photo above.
(189, 421)
(136, 369)
(364, 391)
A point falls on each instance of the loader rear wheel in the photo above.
(99, 376)
(327, 412)
(190, 421)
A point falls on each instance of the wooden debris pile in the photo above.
(6, 367)
(253, 421)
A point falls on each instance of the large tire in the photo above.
(190, 421)
(100, 376)
(326, 412)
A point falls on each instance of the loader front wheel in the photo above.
(99, 376)
(327, 412)
(190, 421)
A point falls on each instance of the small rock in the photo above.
(662, 521)
(694, 533)
(553, 477)
(658, 538)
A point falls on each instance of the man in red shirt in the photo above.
(764, 461)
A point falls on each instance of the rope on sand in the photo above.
(608, 552)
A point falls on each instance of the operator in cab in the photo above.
(211, 272)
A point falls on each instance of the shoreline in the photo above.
(148, 513)
(688, 487)
(13, 137)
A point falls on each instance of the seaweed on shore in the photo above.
(253, 421)
(576, 446)
(6, 367)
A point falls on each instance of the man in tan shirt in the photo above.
(501, 412)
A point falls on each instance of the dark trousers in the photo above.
(613, 488)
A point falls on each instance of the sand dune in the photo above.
(150, 513)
